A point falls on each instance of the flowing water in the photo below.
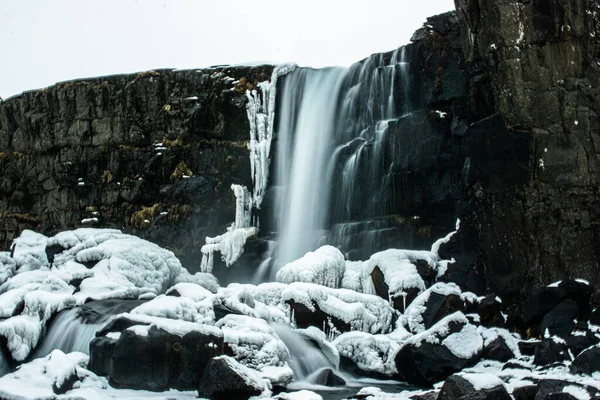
(331, 171)
(74, 329)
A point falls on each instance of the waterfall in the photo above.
(74, 329)
(332, 177)
(309, 99)
(4, 367)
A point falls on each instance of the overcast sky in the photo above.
(43, 41)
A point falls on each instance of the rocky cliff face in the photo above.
(153, 154)
(505, 135)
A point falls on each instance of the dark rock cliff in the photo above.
(505, 135)
(117, 149)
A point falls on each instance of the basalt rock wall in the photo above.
(153, 154)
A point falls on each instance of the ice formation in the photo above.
(325, 267)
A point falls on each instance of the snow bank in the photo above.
(325, 267)
(373, 353)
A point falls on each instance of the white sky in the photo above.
(43, 41)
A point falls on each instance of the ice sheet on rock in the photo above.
(253, 342)
(413, 315)
(36, 379)
(363, 312)
(373, 353)
(325, 266)
(25, 278)
(7, 266)
(206, 280)
(30, 251)
(230, 245)
(179, 308)
(278, 376)
(466, 343)
(237, 298)
(437, 331)
(399, 273)
(192, 290)
(174, 327)
(352, 276)
(23, 333)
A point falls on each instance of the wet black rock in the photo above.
(439, 306)
(457, 387)
(490, 312)
(551, 350)
(560, 321)
(224, 380)
(328, 378)
(157, 360)
(587, 362)
(497, 350)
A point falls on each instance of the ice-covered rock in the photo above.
(370, 353)
(224, 377)
(325, 266)
(437, 302)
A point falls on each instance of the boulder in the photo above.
(437, 353)
(327, 377)
(490, 312)
(473, 387)
(439, 306)
(150, 358)
(556, 389)
(587, 362)
(578, 341)
(560, 321)
(226, 379)
(527, 348)
(497, 350)
(551, 350)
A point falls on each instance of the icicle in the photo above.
(261, 116)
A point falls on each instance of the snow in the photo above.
(179, 308)
(577, 392)
(466, 343)
(482, 381)
(36, 379)
(363, 312)
(490, 334)
(325, 267)
(437, 331)
(23, 333)
(7, 267)
(253, 342)
(299, 395)
(192, 290)
(89, 220)
(172, 326)
(375, 353)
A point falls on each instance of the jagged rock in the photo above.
(490, 312)
(226, 379)
(497, 350)
(551, 350)
(527, 348)
(439, 306)
(560, 321)
(587, 362)
(423, 361)
(457, 387)
(581, 340)
(526, 392)
(154, 359)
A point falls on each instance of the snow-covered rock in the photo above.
(370, 353)
(224, 377)
(325, 266)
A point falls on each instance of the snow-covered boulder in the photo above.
(588, 362)
(325, 266)
(155, 357)
(437, 302)
(551, 350)
(342, 309)
(48, 377)
(446, 348)
(225, 378)
(253, 342)
(498, 344)
(372, 354)
(473, 386)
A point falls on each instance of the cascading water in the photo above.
(305, 144)
(333, 186)
(74, 329)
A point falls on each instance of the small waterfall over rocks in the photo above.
(74, 329)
